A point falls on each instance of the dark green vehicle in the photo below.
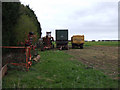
(62, 39)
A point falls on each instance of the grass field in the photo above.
(90, 43)
(57, 69)
(107, 43)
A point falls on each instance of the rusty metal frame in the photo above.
(28, 56)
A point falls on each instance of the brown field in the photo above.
(103, 58)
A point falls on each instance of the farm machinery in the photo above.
(62, 39)
(77, 41)
(47, 41)
(21, 55)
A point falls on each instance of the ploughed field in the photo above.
(91, 67)
(103, 58)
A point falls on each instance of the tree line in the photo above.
(17, 21)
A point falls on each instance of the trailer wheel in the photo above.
(73, 46)
(81, 46)
(67, 48)
(53, 46)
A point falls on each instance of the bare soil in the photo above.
(104, 58)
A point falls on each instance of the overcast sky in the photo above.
(96, 19)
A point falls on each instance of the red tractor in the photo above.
(47, 41)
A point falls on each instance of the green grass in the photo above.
(57, 69)
(90, 43)
(107, 43)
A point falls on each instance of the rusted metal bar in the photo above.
(11, 47)
(18, 64)
(27, 58)
(29, 53)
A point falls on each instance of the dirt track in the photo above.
(104, 58)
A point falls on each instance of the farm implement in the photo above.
(22, 55)
(18, 56)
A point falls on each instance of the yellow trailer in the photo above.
(77, 41)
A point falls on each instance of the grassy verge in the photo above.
(57, 69)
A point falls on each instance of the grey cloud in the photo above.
(98, 21)
(96, 25)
